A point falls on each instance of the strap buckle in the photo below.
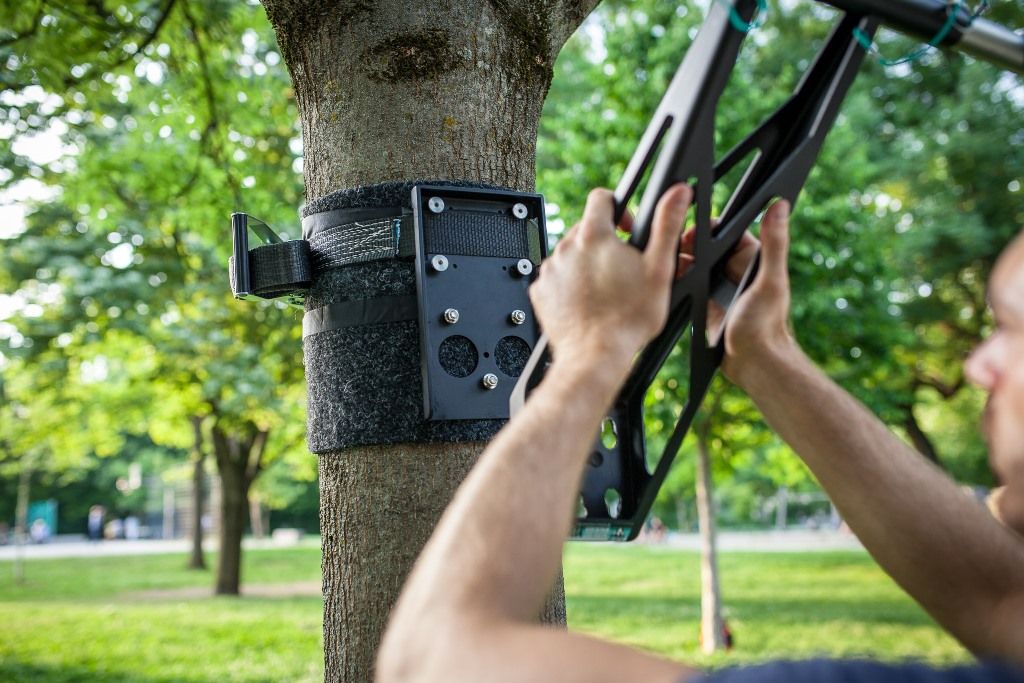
(240, 267)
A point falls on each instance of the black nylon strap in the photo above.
(332, 239)
(359, 313)
(473, 233)
(277, 269)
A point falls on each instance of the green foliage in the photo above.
(171, 115)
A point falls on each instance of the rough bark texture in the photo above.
(712, 633)
(238, 462)
(196, 559)
(392, 90)
(398, 91)
(378, 506)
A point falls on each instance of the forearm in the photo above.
(469, 609)
(500, 542)
(939, 544)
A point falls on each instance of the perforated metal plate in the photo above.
(477, 252)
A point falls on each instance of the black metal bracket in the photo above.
(623, 477)
(477, 252)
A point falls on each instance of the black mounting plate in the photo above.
(477, 252)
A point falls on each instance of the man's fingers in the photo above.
(775, 243)
(669, 215)
(598, 214)
(737, 265)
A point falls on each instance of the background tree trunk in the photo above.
(238, 463)
(256, 524)
(918, 437)
(21, 517)
(712, 634)
(196, 559)
(389, 91)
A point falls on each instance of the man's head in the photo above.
(998, 367)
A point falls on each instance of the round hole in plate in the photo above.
(609, 433)
(613, 501)
(511, 355)
(458, 356)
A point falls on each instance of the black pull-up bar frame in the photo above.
(621, 481)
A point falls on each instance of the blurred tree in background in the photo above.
(169, 116)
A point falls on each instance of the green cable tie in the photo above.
(737, 21)
(951, 11)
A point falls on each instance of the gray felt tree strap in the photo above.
(359, 313)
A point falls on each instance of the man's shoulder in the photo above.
(856, 671)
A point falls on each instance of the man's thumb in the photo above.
(775, 241)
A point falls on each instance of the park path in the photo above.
(792, 540)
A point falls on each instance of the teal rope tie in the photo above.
(951, 12)
(737, 21)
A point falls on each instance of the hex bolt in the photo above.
(435, 204)
(519, 210)
(490, 381)
(518, 317)
(451, 316)
(524, 267)
(439, 263)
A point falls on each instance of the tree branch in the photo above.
(71, 81)
(947, 391)
(30, 32)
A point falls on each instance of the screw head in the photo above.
(439, 263)
(490, 381)
(451, 316)
(435, 204)
(524, 267)
(517, 317)
(519, 210)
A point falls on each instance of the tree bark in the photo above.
(196, 559)
(712, 633)
(392, 91)
(238, 463)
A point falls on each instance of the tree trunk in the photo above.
(197, 560)
(712, 633)
(238, 463)
(21, 519)
(393, 91)
(256, 517)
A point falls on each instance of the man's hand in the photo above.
(757, 329)
(601, 300)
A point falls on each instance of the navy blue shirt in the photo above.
(862, 671)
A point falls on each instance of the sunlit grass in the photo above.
(149, 619)
(792, 605)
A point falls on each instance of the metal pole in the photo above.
(993, 43)
(924, 19)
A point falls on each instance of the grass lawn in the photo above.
(148, 619)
